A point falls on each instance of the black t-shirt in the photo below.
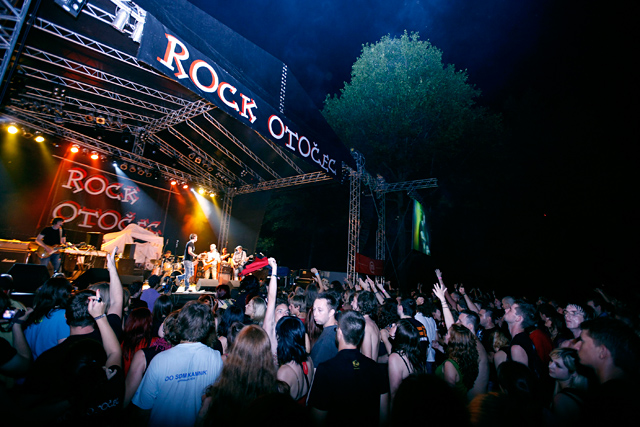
(348, 387)
(187, 255)
(535, 364)
(51, 236)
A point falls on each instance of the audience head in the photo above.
(135, 288)
(195, 322)
(297, 305)
(367, 303)
(229, 316)
(162, 307)
(470, 320)
(77, 310)
(223, 292)
(520, 313)
(609, 341)
(407, 307)
(351, 328)
(103, 287)
(53, 293)
(255, 309)
(487, 317)
(388, 313)
(574, 315)
(564, 367)
(290, 333)
(324, 308)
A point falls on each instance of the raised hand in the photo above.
(439, 291)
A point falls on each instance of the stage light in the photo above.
(72, 6)
(12, 129)
(121, 20)
(124, 166)
(185, 186)
(136, 36)
(100, 120)
(198, 160)
(115, 164)
(213, 194)
(141, 171)
(174, 182)
(192, 156)
(39, 137)
(132, 169)
(201, 190)
(75, 148)
(94, 155)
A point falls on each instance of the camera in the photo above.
(12, 312)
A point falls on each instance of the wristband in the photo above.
(99, 317)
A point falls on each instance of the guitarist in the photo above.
(49, 237)
(210, 263)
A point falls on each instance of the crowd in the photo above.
(316, 354)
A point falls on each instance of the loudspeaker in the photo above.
(8, 258)
(91, 276)
(126, 266)
(234, 283)
(95, 240)
(28, 277)
(129, 251)
(208, 285)
(224, 278)
(127, 280)
(69, 262)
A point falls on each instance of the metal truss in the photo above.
(281, 153)
(308, 178)
(12, 16)
(84, 41)
(224, 150)
(25, 118)
(239, 144)
(379, 188)
(353, 244)
(94, 73)
(94, 90)
(203, 155)
(46, 96)
(179, 116)
(223, 237)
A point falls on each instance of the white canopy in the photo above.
(148, 245)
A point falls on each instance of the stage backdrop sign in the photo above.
(93, 200)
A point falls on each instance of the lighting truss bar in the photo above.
(239, 144)
(222, 148)
(199, 152)
(179, 116)
(76, 67)
(184, 161)
(78, 119)
(281, 153)
(45, 96)
(37, 123)
(381, 231)
(84, 41)
(408, 186)
(74, 84)
(308, 178)
(104, 16)
(12, 19)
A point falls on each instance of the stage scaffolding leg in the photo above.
(353, 245)
(380, 235)
(223, 238)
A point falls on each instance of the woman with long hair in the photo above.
(568, 396)
(161, 309)
(248, 373)
(387, 317)
(46, 326)
(460, 369)
(136, 334)
(255, 310)
(405, 356)
(295, 367)
(229, 316)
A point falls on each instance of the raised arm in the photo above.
(446, 294)
(470, 304)
(439, 291)
(109, 340)
(318, 280)
(270, 316)
(378, 290)
(116, 293)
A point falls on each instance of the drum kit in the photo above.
(168, 269)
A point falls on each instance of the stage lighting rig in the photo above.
(125, 11)
(75, 148)
(72, 6)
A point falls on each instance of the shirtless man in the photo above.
(365, 303)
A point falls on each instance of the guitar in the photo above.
(42, 253)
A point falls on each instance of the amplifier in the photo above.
(8, 258)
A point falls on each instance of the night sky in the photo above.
(563, 76)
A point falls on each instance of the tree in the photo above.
(410, 115)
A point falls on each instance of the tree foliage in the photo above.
(403, 108)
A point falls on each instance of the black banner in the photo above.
(168, 53)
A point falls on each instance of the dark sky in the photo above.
(562, 74)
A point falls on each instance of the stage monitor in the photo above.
(421, 239)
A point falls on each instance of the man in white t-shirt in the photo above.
(170, 393)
